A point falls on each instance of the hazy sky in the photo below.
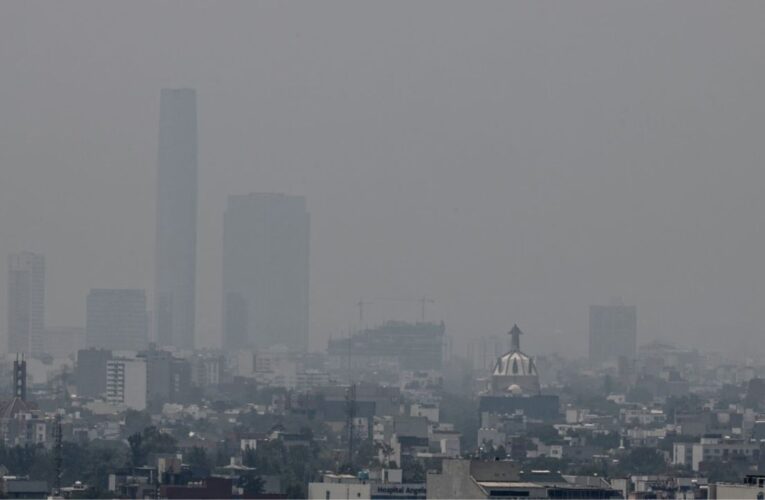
(516, 161)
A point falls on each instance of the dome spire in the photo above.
(515, 339)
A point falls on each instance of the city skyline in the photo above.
(377, 250)
(505, 183)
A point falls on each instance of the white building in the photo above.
(340, 486)
(431, 411)
(126, 383)
(714, 449)
(753, 487)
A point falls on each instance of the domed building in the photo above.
(515, 373)
(514, 389)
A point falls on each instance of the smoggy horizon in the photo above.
(515, 162)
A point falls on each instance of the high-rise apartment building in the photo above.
(26, 303)
(117, 319)
(175, 261)
(126, 383)
(613, 333)
(266, 271)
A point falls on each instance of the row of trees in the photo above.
(90, 463)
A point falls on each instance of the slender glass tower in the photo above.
(175, 260)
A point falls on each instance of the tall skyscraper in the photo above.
(613, 333)
(26, 303)
(117, 319)
(175, 273)
(265, 271)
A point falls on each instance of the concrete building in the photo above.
(409, 346)
(126, 383)
(462, 478)
(613, 333)
(753, 487)
(90, 372)
(26, 303)
(266, 240)
(175, 260)
(380, 484)
(340, 486)
(117, 319)
(168, 377)
(718, 449)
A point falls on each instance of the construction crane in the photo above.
(423, 301)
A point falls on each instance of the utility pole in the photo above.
(58, 455)
(350, 415)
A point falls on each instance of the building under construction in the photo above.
(412, 346)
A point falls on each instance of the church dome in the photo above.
(515, 363)
(515, 372)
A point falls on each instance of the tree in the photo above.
(147, 442)
(252, 485)
(643, 461)
(413, 470)
(136, 421)
(198, 461)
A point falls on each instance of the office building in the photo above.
(471, 478)
(613, 333)
(168, 377)
(26, 303)
(117, 319)
(90, 372)
(175, 260)
(265, 272)
(126, 383)
(409, 346)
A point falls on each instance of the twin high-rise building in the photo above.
(266, 272)
(175, 259)
(613, 333)
(26, 303)
(117, 319)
